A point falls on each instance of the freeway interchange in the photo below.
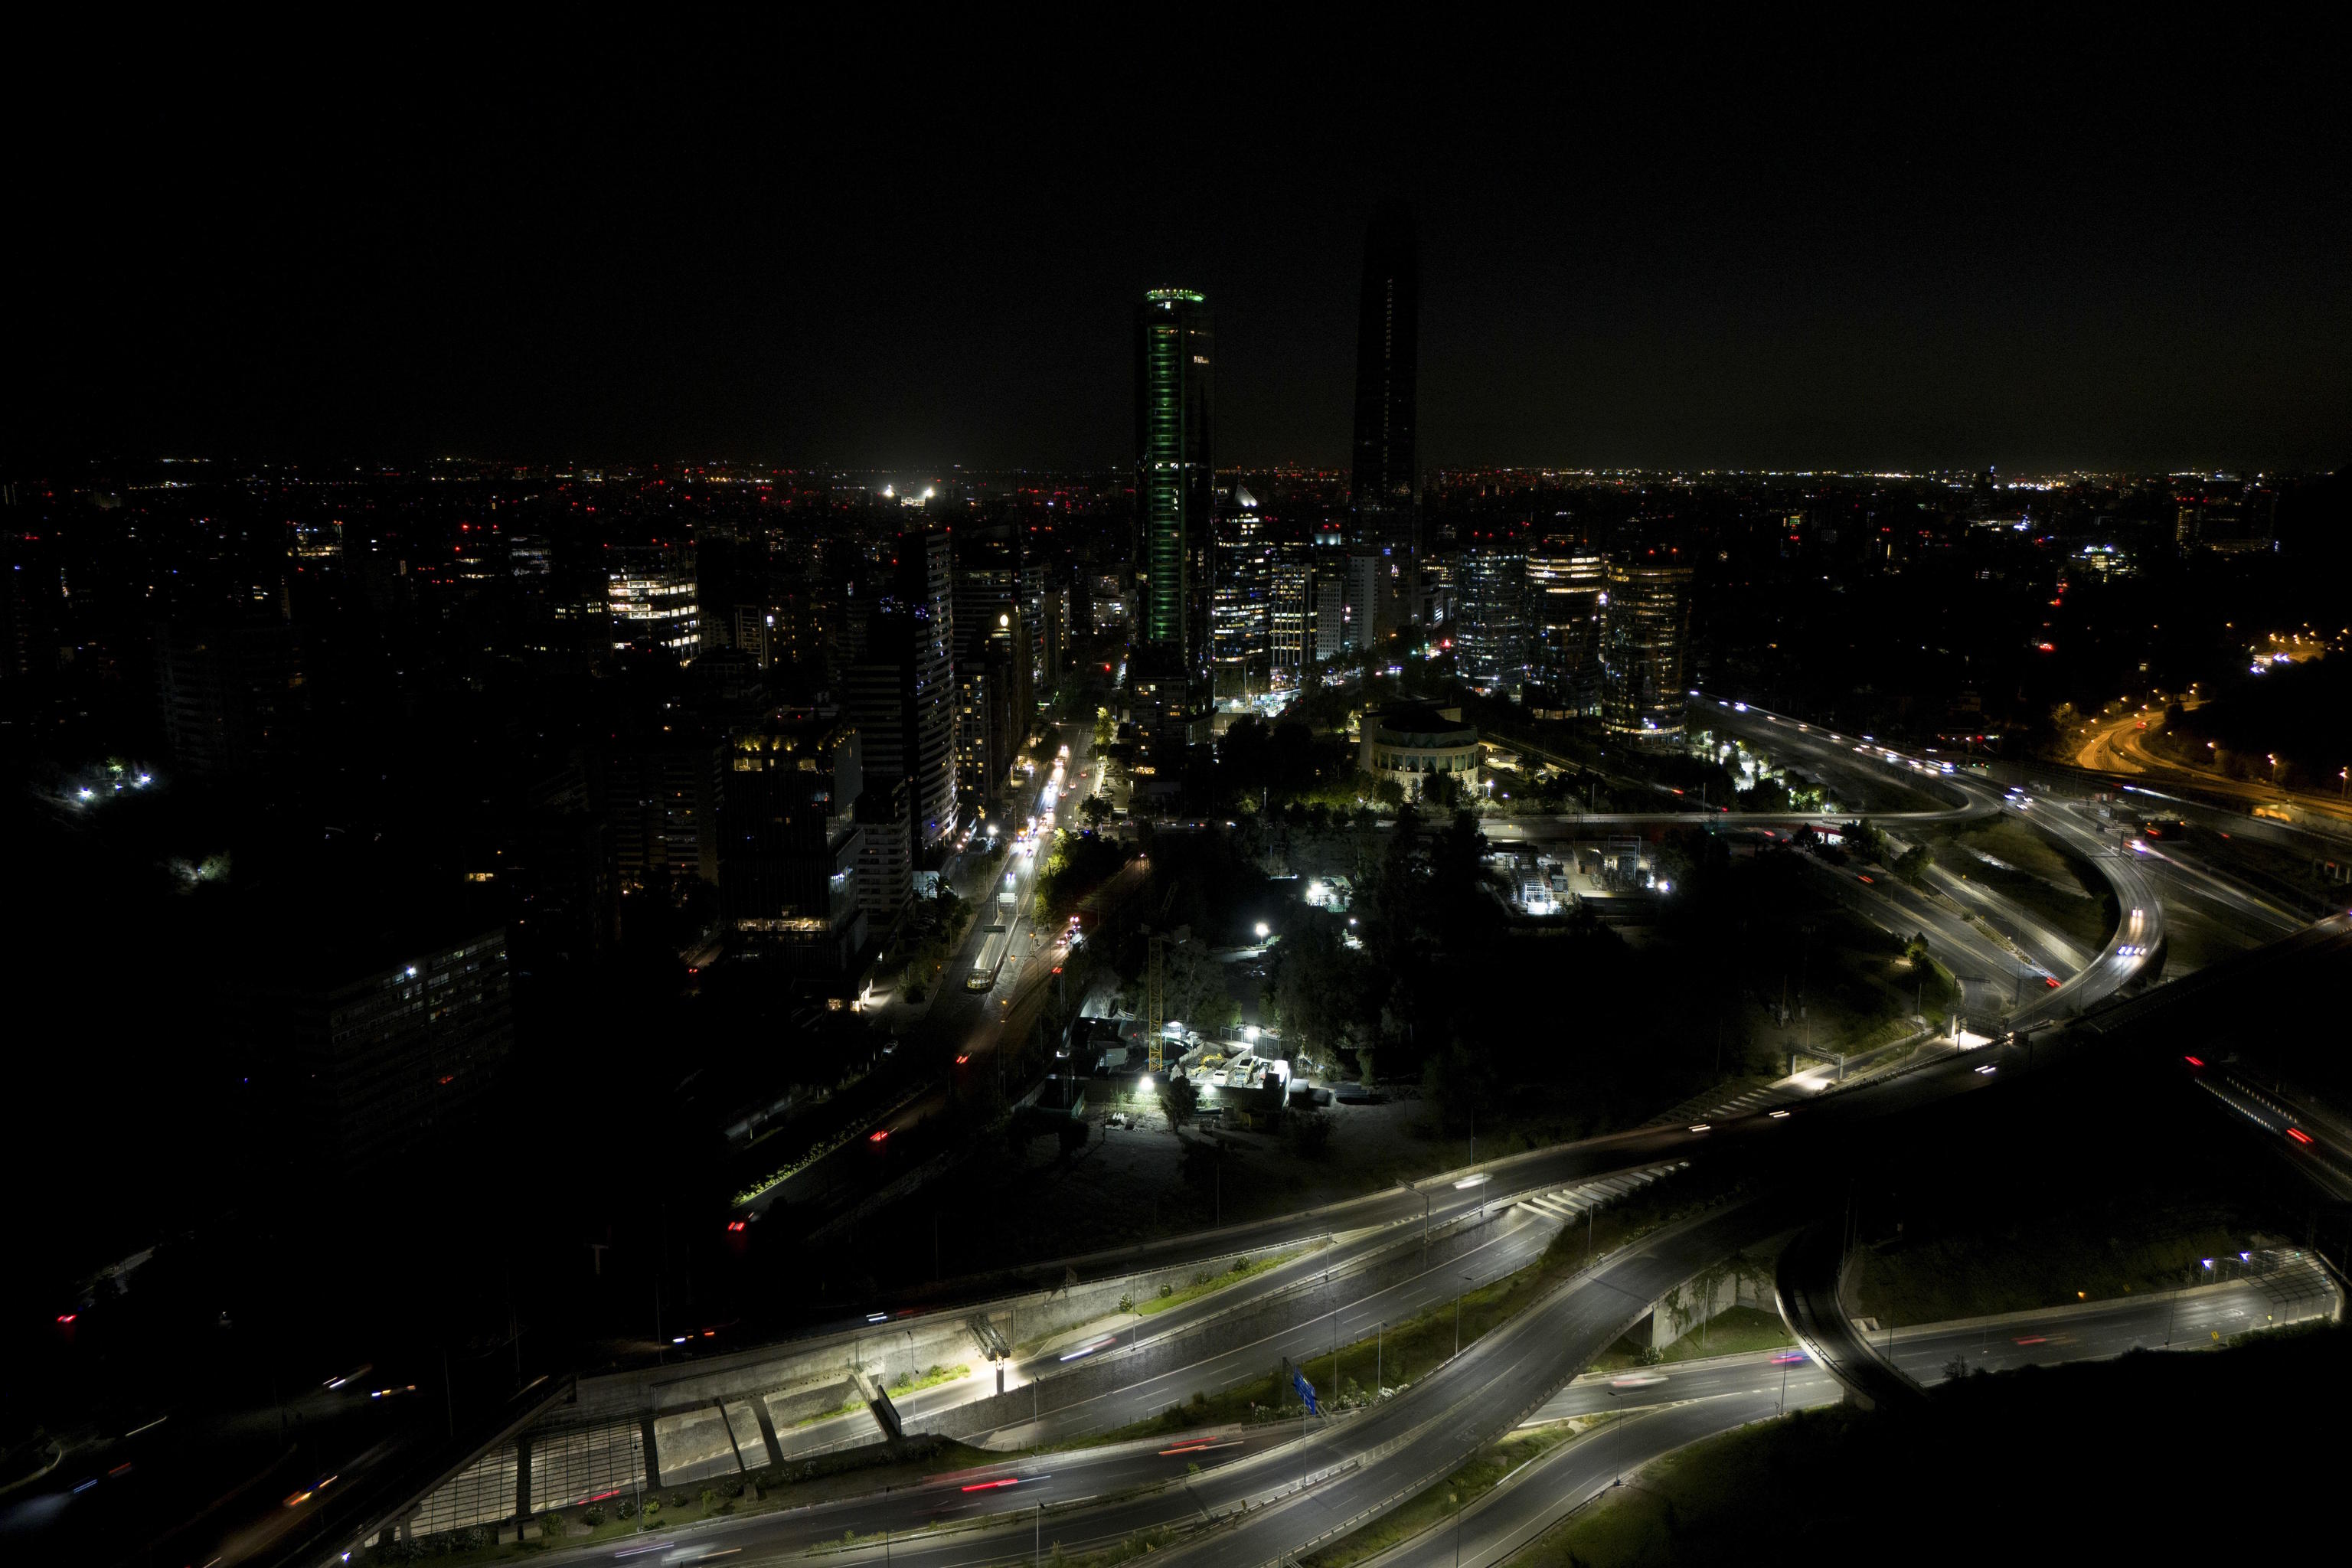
(1262, 1491)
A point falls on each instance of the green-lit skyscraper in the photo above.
(1174, 500)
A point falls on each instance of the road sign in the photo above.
(1305, 1390)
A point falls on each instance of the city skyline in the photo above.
(833, 799)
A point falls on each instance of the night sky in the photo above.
(921, 252)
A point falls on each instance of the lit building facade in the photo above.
(1567, 586)
(1240, 605)
(651, 600)
(1490, 620)
(1411, 743)
(1174, 500)
(792, 843)
(1290, 612)
(1645, 633)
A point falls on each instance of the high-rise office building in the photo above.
(368, 1046)
(1645, 629)
(1490, 623)
(1241, 604)
(1567, 583)
(1290, 611)
(992, 611)
(1175, 494)
(789, 859)
(651, 595)
(1366, 582)
(885, 878)
(1440, 593)
(923, 600)
(230, 694)
(976, 769)
(1329, 631)
(1386, 495)
(659, 792)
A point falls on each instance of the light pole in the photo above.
(1379, 1357)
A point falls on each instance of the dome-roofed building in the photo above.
(1411, 742)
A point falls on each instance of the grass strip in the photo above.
(931, 1377)
(1206, 1284)
(1445, 1498)
(1344, 1378)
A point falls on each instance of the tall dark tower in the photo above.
(1387, 488)
(1174, 499)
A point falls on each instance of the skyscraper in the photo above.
(1643, 632)
(902, 694)
(372, 1043)
(230, 694)
(651, 596)
(1490, 627)
(1174, 499)
(1566, 583)
(1240, 602)
(1386, 494)
(791, 841)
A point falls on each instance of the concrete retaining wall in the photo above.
(1299, 1304)
(817, 1366)
(788, 1406)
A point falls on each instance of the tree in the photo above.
(1095, 809)
(1104, 729)
(1913, 865)
(1194, 989)
(1179, 1099)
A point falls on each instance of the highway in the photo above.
(2120, 745)
(1365, 1462)
(2128, 950)
(1697, 1400)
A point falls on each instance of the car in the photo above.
(1791, 1358)
(1635, 1380)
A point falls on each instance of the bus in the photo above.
(990, 961)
